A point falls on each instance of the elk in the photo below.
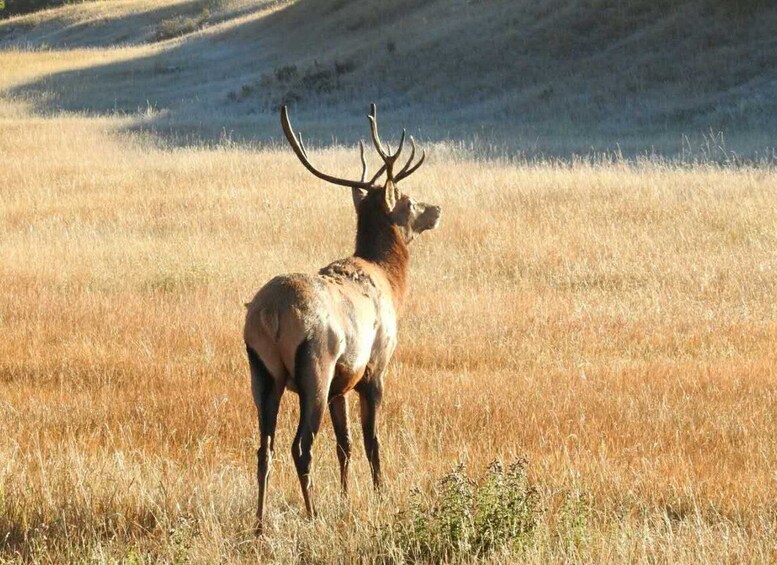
(324, 335)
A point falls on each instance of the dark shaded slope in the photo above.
(556, 76)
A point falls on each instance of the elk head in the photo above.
(369, 196)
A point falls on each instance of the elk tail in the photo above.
(271, 323)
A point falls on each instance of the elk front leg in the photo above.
(369, 402)
(338, 410)
(267, 397)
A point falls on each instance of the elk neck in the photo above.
(381, 242)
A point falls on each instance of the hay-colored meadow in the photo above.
(614, 323)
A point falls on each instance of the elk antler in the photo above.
(299, 150)
(364, 166)
(390, 158)
(407, 170)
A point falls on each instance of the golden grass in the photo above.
(616, 324)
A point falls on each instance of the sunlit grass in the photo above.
(614, 323)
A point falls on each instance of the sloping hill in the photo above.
(555, 76)
(111, 23)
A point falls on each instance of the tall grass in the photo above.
(609, 326)
(613, 323)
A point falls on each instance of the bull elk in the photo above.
(324, 335)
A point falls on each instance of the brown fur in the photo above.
(381, 242)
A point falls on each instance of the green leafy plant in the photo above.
(465, 518)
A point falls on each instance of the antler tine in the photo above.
(385, 153)
(410, 160)
(401, 144)
(302, 145)
(375, 139)
(301, 154)
(364, 161)
(377, 175)
(404, 174)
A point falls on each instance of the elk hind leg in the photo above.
(338, 410)
(267, 397)
(369, 402)
(312, 375)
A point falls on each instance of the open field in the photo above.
(612, 321)
(615, 324)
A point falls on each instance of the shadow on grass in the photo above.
(100, 31)
(527, 89)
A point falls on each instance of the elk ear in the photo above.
(390, 196)
(358, 195)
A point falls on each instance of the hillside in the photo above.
(553, 77)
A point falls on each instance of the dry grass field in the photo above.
(612, 322)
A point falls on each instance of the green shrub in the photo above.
(573, 523)
(466, 519)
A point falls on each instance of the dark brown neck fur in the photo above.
(381, 242)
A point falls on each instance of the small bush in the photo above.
(344, 67)
(290, 84)
(318, 80)
(469, 519)
(286, 73)
(740, 8)
(290, 97)
(181, 25)
(573, 527)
